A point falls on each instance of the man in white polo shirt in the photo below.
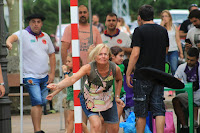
(113, 37)
(194, 33)
(37, 51)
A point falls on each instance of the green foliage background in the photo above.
(49, 8)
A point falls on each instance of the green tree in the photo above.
(49, 8)
(13, 7)
(159, 5)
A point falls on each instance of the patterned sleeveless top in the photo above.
(98, 90)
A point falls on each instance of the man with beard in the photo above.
(187, 72)
(84, 36)
(113, 37)
(194, 33)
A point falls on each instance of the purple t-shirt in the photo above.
(129, 94)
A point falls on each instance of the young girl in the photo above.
(69, 111)
(118, 57)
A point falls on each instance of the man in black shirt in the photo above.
(150, 43)
(187, 25)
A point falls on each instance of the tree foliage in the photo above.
(160, 5)
(49, 8)
(14, 22)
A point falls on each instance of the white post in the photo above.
(21, 63)
(90, 20)
(60, 68)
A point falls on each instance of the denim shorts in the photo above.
(37, 89)
(148, 96)
(110, 115)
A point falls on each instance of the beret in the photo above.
(35, 16)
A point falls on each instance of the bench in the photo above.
(14, 81)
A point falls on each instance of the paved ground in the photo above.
(51, 122)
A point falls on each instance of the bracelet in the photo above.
(67, 73)
(1, 83)
(117, 96)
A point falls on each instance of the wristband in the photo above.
(67, 73)
(1, 83)
(117, 96)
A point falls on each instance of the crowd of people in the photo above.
(110, 60)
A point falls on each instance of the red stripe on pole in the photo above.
(76, 64)
(76, 99)
(73, 2)
(74, 29)
(78, 127)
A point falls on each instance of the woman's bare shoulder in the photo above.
(86, 68)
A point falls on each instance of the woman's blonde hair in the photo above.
(170, 16)
(97, 50)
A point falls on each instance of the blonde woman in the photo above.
(97, 97)
(174, 42)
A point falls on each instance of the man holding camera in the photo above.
(188, 72)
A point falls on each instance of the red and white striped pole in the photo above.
(76, 64)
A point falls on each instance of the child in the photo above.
(69, 112)
(118, 57)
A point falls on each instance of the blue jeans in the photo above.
(37, 89)
(148, 96)
(172, 58)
